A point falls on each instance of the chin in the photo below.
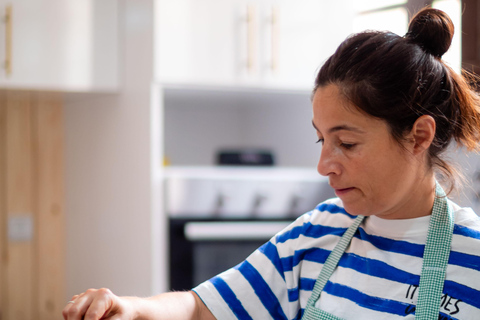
(356, 210)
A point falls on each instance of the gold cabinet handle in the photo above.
(251, 32)
(275, 36)
(8, 40)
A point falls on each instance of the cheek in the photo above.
(377, 175)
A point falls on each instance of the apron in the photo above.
(434, 267)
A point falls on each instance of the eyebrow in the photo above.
(340, 128)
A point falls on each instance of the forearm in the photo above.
(172, 305)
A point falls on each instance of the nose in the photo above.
(328, 163)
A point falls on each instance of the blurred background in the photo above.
(146, 145)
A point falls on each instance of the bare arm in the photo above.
(103, 304)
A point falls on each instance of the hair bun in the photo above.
(432, 30)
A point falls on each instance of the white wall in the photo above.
(108, 170)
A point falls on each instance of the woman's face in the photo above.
(370, 172)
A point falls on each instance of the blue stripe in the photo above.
(305, 284)
(366, 301)
(299, 314)
(309, 230)
(360, 264)
(373, 303)
(313, 254)
(378, 269)
(293, 294)
(381, 270)
(403, 247)
(464, 293)
(315, 230)
(262, 290)
(466, 232)
(416, 250)
(332, 208)
(464, 260)
(271, 252)
(230, 298)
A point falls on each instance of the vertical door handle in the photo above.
(251, 35)
(8, 40)
(275, 36)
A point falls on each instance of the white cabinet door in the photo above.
(196, 40)
(59, 45)
(304, 35)
(240, 42)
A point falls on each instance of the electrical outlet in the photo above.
(20, 228)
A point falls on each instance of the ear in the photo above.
(422, 134)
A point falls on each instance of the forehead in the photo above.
(331, 109)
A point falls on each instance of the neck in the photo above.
(425, 197)
(420, 202)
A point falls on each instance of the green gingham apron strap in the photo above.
(435, 258)
(313, 313)
(332, 261)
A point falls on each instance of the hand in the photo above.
(96, 304)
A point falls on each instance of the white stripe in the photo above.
(210, 296)
(245, 293)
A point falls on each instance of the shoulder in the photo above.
(331, 213)
(328, 217)
(467, 222)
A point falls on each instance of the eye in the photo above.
(320, 140)
(347, 146)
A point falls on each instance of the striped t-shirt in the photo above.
(377, 277)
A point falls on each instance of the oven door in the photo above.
(202, 249)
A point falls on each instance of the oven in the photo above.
(218, 216)
(201, 249)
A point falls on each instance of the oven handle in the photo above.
(234, 230)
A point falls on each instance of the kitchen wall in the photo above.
(108, 176)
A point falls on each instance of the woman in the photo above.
(391, 245)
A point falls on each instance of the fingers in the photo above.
(90, 305)
(77, 306)
(101, 306)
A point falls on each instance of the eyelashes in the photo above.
(343, 145)
(348, 146)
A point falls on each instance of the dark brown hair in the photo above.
(399, 79)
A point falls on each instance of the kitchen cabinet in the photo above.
(59, 45)
(249, 43)
(32, 239)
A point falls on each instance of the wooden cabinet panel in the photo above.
(50, 246)
(31, 215)
(3, 207)
(19, 205)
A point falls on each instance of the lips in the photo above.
(342, 191)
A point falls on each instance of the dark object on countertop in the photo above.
(245, 157)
